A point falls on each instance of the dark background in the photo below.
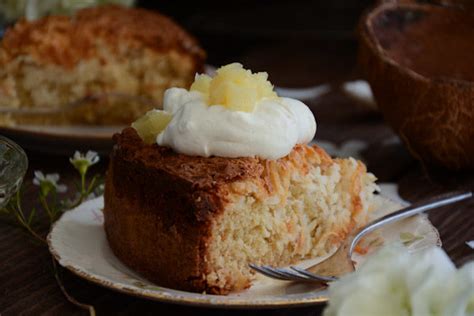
(228, 29)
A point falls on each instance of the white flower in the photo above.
(470, 244)
(91, 157)
(48, 181)
(396, 282)
(82, 162)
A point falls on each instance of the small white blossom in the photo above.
(91, 157)
(49, 180)
(82, 162)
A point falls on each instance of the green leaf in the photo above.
(408, 238)
(91, 186)
(32, 215)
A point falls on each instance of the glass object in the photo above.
(13, 166)
(11, 10)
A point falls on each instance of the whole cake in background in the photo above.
(223, 177)
(57, 60)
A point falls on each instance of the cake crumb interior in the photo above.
(302, 207)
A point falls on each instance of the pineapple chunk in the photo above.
(201, 83)
(234, 88)
(151, 125)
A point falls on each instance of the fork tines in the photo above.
(292, 274)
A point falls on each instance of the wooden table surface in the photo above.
(27, 284)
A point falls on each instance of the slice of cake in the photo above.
(56, 60)
(214, 189)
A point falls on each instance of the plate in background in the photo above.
(62, 140)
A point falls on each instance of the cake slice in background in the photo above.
(57, 60)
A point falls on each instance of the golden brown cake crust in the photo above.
(66, 40)
(201, 172)
(163, 241)
(155, 191)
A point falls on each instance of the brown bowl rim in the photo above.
(368, 36)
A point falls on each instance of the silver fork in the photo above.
(340, 263)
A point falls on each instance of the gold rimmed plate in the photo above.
(78, 242)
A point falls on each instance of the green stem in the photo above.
(83, 185)
(44, 203)
(30, 230)
(56, 207)
(91, 186)
(21, 218)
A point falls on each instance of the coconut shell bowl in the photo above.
(419, 61)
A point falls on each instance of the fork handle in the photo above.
(416, 208)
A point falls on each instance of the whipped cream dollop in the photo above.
(270, 131)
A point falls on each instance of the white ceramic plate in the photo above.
(62, 140)
(78, 242)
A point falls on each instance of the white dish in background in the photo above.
(62, 140)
